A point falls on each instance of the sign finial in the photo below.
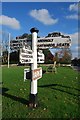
(34, 30)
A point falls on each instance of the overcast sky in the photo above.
(19, 17)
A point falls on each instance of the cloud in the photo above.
(73, 7)
(74, 38)
(75, 44)
(10, 22)
(75, 16)
(43, 16)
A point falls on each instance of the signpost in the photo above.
(41, 57)
(37, 74)
(28, 55)
(61, 41)
(26, 71)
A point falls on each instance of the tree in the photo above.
(5, 57)
(75, 61)
(14, 57)
(56, 58)
(63, 56)
(79, 62)
(48, 56)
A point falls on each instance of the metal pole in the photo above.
(9, 50)
(33, 91)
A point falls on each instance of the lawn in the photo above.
(58, 94)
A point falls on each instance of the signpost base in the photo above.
(33, 102)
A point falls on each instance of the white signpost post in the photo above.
(34, 70)
(30, 56)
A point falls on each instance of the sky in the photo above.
(18, 18)
(40, 0)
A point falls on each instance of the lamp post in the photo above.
(33, 89)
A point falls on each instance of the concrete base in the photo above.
(33, 100)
